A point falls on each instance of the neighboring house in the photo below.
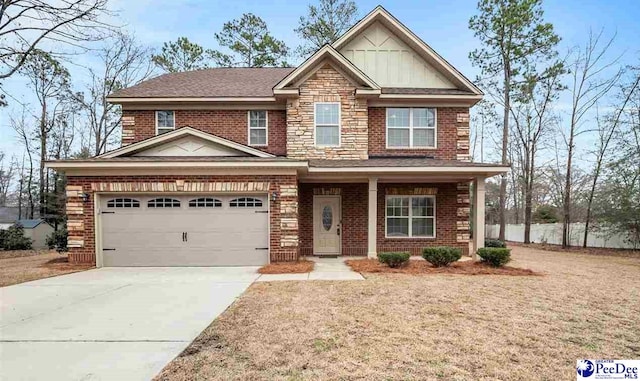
(36, 230)
(361, 149)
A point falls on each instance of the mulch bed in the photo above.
(299, 267)
(627, 253)
(423, 267)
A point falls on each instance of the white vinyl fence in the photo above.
(552, 234)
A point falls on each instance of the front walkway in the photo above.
(325, 269)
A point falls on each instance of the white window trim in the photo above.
(411, 128)
(315, 124)
(165, 128)
(266, 129)
(410, 217)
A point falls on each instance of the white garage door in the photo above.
(202, 230)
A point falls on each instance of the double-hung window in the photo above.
(411, 128)
(327, 124)
(165, 122)
(258, 128)
(411, 216)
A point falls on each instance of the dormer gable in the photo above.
(394, 57)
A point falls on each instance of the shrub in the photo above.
(441, 256)
(495, 256)
(489, 242)
(14, 238)
(394, 259)
(58, 240)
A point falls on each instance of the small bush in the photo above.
(394, 259)
(441, 256)
(58, 240)
(495, 256)
(14, 239)
(494, 243)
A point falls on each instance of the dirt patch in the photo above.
(27, 265)
(299, 267)
(423, 267)
(406, 327)
(627, 253)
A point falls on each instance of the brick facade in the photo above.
(229, 124)
(452, 133)
(354, 217)
(283, 211)
(327, 85)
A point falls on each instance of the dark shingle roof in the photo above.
(206, 83)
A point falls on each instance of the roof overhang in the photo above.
(179, 133)
(123, 100)
(326, 54)
(422, 48)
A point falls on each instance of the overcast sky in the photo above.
(443, 24)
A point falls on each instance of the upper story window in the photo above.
(258, 128)
(327, 124)
(411, 128)
(165, 122)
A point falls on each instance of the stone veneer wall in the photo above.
(283, 223)
(327, 85)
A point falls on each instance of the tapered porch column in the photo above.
(372, 225)
(478, 215)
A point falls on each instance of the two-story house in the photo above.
(363, 148)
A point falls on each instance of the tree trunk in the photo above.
(566, 202)
(528, 201)
(505, 142)
(43, 158)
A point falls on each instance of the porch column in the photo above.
(478, 215)
(372, 225)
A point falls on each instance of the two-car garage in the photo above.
(178, 230)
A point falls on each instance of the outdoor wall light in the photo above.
(84, 197)
(274, 196)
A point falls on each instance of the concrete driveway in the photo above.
(110, 323)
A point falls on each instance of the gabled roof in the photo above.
(394, 25)
(179, 133)
(326, 53)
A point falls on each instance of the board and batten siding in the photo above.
(390, 62)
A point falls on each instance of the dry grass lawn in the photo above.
(418, 267)
(299, 267)
(412, 327)
(27, 265)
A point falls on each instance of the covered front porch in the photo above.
(364, 210)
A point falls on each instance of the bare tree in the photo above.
(19, 124)
(50, 83)
(122, 63)
(27, 24)
(589, 83)
(7, 173)
(533, 120)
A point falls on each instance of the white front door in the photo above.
(327, 224)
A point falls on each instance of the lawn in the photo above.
(27, 265)
(435, 326)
